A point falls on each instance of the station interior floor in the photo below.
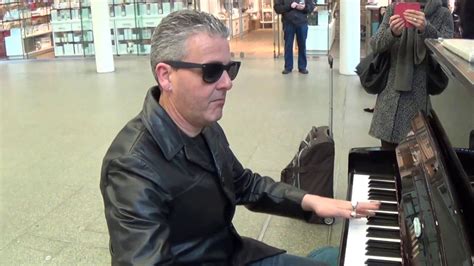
(58, 118)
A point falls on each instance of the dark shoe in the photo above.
(285, 71)
(303, 71)
(369, 110)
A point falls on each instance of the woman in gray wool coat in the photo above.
(405, 93)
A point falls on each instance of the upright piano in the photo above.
(427, 211)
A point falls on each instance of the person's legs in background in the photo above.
(301, 34)
(289, 37)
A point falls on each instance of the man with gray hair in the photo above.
(170, 181)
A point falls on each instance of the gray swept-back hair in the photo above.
(169, 38)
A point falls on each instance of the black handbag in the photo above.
(373, 72)
(436, 79)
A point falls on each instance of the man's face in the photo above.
(198, 102)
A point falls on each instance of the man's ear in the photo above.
(163, 73)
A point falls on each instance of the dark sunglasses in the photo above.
(211, 72)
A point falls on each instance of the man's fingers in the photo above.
(365, 213)
(371, 205)
(349, 214)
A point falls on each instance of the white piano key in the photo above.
(355, 243)
(383, 239)
(357, 228)
(388, 201)
(383, 226)
(379, 258)
(382, 180)
(381, 188)
(384, 211)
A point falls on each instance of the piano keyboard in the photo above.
(376, 240)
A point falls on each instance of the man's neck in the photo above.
(178, 119)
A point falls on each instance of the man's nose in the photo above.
(224, 83)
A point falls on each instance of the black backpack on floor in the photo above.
(312, 168)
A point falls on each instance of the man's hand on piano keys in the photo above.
(328, 207)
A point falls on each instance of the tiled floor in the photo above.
(58, 118)
(257, 43)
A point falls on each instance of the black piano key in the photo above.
(383, 233)
(374, 262)
(383, 249)
(388, 207)
(380, 244)
(383, 198)
(381, 252)
(386, 216)
(381, 177)
(383, 219)
(382, 195)
(382, 192)
(378, 184)
(389, 216)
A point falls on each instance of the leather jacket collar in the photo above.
(159, 123)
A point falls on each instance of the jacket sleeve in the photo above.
(263, 194)
(444, 31)
(383, 39)
(280, 7)
(135, 210)
(309, 6)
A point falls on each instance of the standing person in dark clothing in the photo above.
(457, 10)
(295, 22)
(467, 19)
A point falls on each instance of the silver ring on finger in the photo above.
(414, 19)
(354, 205)
(353, 214)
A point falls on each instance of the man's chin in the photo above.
(216, 116)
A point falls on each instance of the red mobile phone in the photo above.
(401, 7)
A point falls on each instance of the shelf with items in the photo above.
(147, 24)
(72, 28)
(235, 14)
(237, 28)
(134, 22)
(124, 27)
(29, 31)
(267, 14)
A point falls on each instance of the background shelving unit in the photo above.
(131, 25)
(124, 26)
(72, 28)
(133, 22)
(26, 28)
(266, 16)
(31, 27)
(228, 12)
(150, 14)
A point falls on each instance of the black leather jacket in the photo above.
(164, 206)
